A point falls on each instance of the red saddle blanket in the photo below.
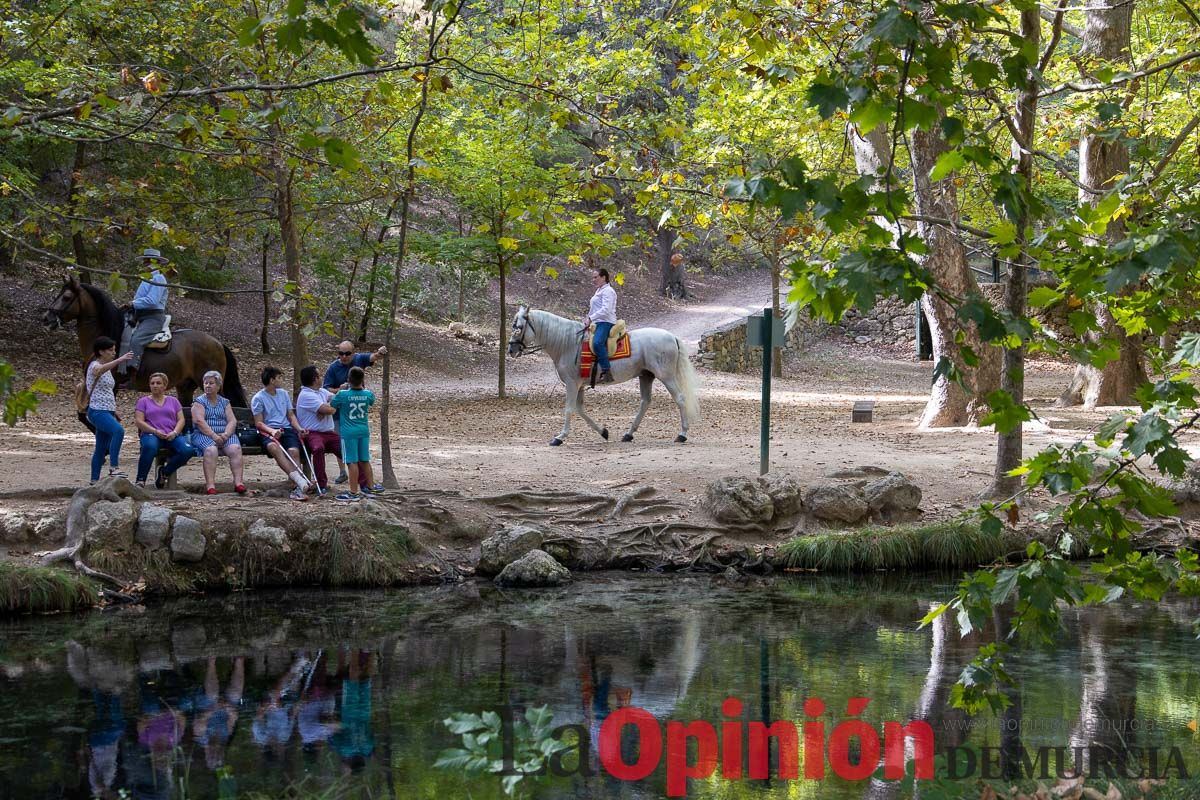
(586, 357)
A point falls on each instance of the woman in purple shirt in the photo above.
(160, 421)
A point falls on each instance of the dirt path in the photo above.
(452, 433)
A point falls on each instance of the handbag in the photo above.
(83, 395)
(248, 435)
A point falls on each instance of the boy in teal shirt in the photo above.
(352, 405)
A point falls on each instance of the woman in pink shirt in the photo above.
(160, 421)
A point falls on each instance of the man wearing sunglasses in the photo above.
(337, 377)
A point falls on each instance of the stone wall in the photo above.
(724, 349)
(894, 322)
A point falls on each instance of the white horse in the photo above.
(655, 353)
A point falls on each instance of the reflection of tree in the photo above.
(932, 706)
(1108, 684)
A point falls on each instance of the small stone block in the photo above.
(862, 411)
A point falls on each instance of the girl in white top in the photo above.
(102, 407)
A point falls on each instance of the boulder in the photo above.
(260, 531)
(187, 542)
(14, 527)
(111, 525)
(836, 501)
(50, 527)
(741, 501)
(507, 545)
(891, 493)
(535, 568)
(154, 524)
(786, 493)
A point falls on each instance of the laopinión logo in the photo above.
(632, 744)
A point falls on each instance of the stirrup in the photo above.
(605, 377)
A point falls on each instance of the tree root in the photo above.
(560, 506)
(110, 490)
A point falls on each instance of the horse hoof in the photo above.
(680, 439)
(555, 442)
(627, 437)
(604, 434)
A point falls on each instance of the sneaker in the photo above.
(605, 377)
(140, 484)
(376, 489)
(117, 473)
(342, 477)
(298, 494)
(348, 497)
(160, 478)
(240, 488)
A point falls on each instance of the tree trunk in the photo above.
(383, 229)
(1012, 377)
(950, 405)
(285, 210)
(349, 302)
(77, 247)
(776, 352)
(503, 327)
(410, 189)
(673, 283)
(1106, 39)
(266, 297)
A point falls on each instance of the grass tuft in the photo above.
(936, 546)
(39, 590)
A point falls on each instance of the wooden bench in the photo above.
(245, 419)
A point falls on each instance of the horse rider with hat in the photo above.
(149, 305)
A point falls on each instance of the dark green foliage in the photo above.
(39, 590)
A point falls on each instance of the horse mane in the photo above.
(111, 320)
(555, 334)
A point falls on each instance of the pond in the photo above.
(343, 694)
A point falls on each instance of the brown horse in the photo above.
(190, 355)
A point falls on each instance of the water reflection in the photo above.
(244, 696)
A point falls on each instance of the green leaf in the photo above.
(827, 98)
(948, 162)
(870, 115)
(1043, 296)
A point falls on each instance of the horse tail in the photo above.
(232, 387)
(689, 382)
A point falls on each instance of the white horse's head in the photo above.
(523, 335)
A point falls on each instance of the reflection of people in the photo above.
(103, 739)
(353, 741)
(317, 708)
(106, 680)
(159, 731)
(213, 726)
(275, 718)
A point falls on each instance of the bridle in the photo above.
(56, 314)
(519, 341)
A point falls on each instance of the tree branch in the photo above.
(1120, 79)
(1056, 18)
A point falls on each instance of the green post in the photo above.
(765, 437)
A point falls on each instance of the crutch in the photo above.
(292, 461)
(308, 455)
